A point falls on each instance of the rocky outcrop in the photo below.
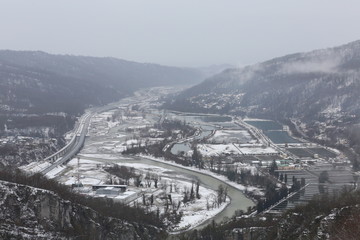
(32, 213)
(340, 223)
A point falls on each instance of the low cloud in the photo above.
(324, 66)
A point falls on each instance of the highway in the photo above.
(81, 128)
(73, 147)
(77, 142)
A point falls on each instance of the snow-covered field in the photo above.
(234, 149)
(256, 150)
(90, 172)
(217, 149)
(195, 212)
(229, 136)
(35, 166)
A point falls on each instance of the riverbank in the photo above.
(220, 177)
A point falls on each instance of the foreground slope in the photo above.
(33, 207)
(329, 216)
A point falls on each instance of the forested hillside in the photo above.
(316, 93)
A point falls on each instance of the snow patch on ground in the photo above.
(92, 173)
(35, 166)
(54, 172)
(257, 150)
(217, 149)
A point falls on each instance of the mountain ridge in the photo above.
(317, 90)
(339, 64)
(41, 95)
(38, 82)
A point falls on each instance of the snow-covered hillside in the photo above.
(316, 92)
(33, 213)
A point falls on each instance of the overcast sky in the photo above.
(178, 32)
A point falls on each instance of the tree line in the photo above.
(105, 207)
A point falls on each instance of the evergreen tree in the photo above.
(324, 177)
(302, 182)
(273, 168)
(197, 158)
(192, 194)
(197, 190)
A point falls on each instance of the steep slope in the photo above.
(302, 85)
(329, 216)
(41, 82)
(318, 91)
(33, 213)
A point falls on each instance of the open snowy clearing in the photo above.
(194, 212)
(228, 136)
(256, 150)
(217, 149)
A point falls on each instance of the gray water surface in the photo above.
(238, 199)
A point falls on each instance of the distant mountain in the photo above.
(299, 84)
(40, 83)
(41, 94)
(322, 85)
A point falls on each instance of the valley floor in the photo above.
(191, 196)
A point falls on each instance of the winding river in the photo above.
(238, 200)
